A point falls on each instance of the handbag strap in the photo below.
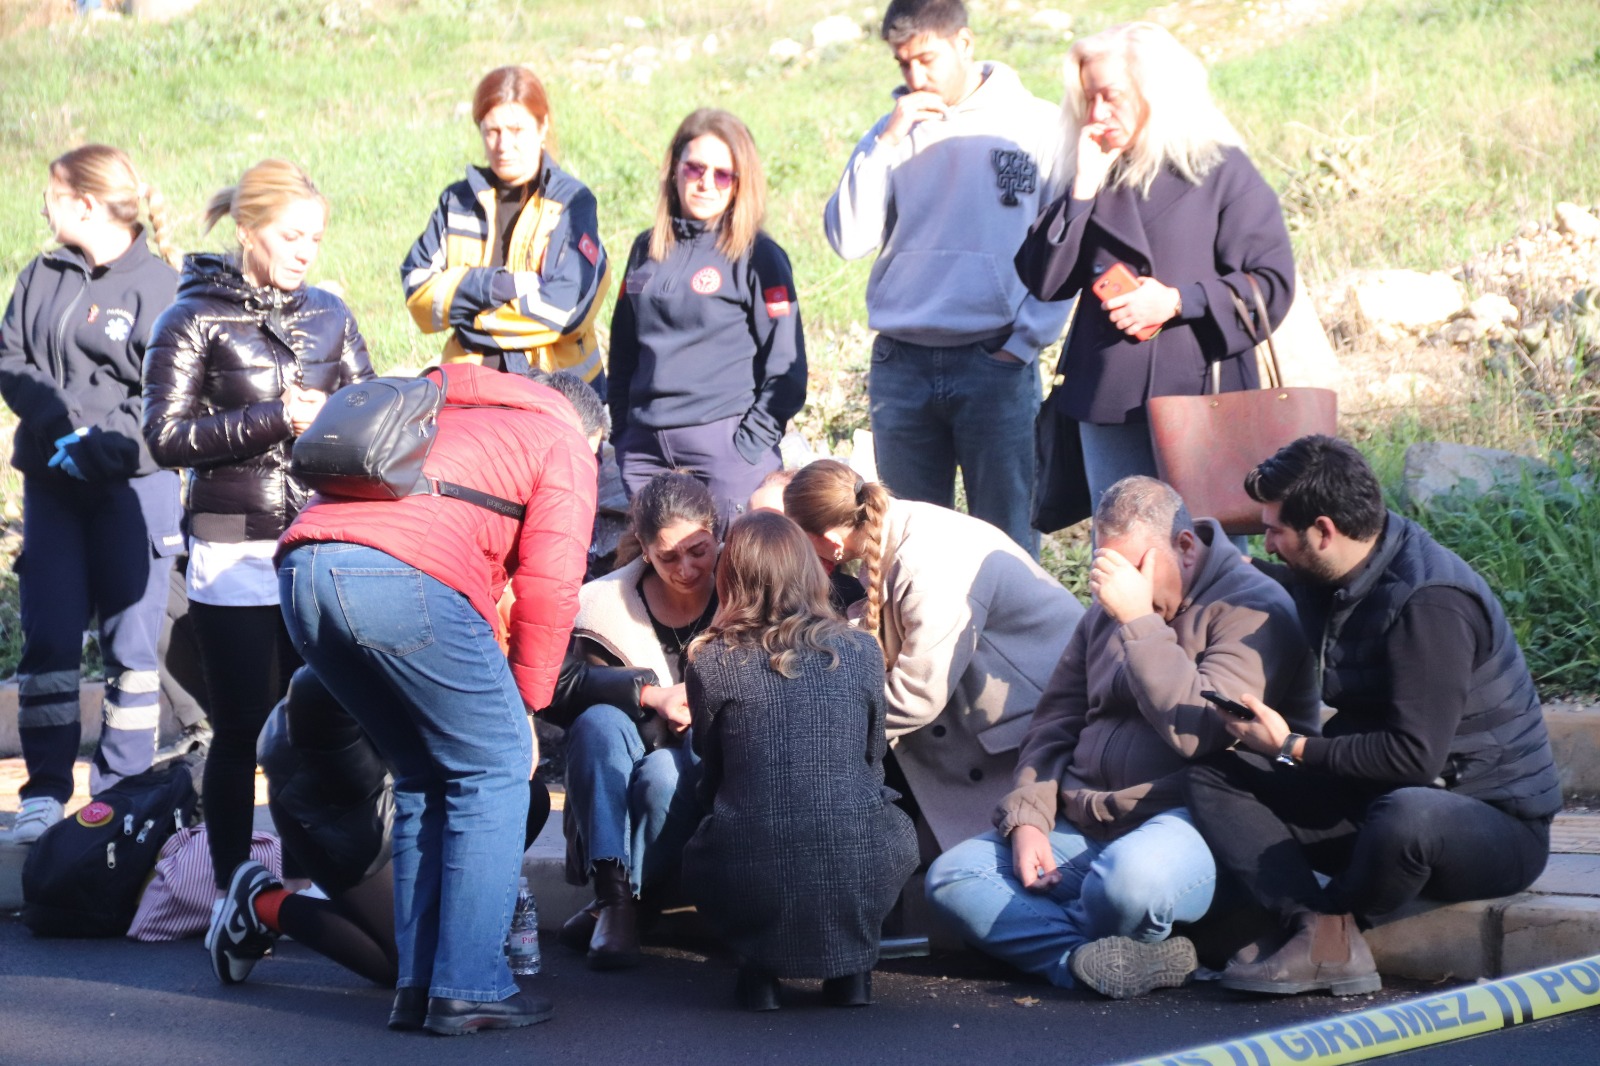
(1257, 327)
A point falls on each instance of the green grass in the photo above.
(1470, 115)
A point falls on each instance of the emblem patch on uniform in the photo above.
(1014, 172)
(706, 281)
(119, 325)
(590, 250)
(778, 303)
(637, 279)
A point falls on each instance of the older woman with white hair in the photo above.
(1161, 185)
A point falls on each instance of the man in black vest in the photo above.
(1433, 778)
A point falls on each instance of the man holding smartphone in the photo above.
(1094, 858)
(1433, 778)
(944, 188)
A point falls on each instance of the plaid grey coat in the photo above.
(803, 852)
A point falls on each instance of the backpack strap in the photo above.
(430, 486)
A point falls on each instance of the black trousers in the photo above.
(248, 658)
(1274, 827)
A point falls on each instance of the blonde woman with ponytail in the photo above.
(100, 517)
(971, 630)
(239, 366)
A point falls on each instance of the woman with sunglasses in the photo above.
(708, 358)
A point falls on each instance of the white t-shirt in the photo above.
(233, 575)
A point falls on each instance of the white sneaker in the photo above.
(36, 815)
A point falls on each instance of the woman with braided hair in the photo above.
(971, 630)
(101, 520)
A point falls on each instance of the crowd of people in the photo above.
(796, 688)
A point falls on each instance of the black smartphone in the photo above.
(1228, 707)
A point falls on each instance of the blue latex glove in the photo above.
(63, 458)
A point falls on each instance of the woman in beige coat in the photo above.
(971, 629)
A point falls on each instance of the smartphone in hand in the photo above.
(1115, 280)
(1232, 708)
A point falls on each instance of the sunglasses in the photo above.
(693, 172)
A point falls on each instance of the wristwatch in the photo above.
(1286, 753)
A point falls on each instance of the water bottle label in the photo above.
(524, 942)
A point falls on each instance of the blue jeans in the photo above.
(419, 668)
(1135, 886)
(934, 409)
(625, 803)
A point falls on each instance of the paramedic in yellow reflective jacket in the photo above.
(511, 263)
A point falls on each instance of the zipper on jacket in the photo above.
(58, 359)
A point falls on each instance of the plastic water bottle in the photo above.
(522, 943)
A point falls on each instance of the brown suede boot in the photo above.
(1326, 951)
(614, 944)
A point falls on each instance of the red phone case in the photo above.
(1115, 280)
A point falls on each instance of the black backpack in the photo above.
(83, 877)
(370, 440)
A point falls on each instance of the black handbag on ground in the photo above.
(370, 440)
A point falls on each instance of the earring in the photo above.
(838, 554)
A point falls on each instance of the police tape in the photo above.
(1389, 1030)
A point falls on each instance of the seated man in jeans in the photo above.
(1094, 857)
(1433, 778)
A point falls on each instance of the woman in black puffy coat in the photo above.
(239, 365)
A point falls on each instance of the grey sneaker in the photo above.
(36, 815)
(1122, 968)
(237, 939)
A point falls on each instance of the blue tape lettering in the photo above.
(1378, 1033)
(1409, 1019)
(1465, 1015)
(1549, 980)
(1305, 1044)
(1335, 1032)
(1581, 978)
(1439, 1011)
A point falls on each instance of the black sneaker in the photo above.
(237, 939)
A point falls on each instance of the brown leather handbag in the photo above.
(1205, 445)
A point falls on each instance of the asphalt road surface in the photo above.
(88, 1002)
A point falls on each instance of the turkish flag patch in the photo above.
(590, 250)
(778, 302)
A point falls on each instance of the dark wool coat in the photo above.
(803, 852)
(1195, 238)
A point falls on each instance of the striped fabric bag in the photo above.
(177, 901)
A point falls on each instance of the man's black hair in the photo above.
(907, 20)
(592, 412)
(1316, 476)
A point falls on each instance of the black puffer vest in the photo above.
(1501, 752)
(214, 374)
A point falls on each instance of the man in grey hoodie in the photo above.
(1094, 857)
(944, 188)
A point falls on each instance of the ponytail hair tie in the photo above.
(861, 489)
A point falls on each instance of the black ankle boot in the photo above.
(614, 945)
(851, 990)
(756, 989)
(577, 931)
